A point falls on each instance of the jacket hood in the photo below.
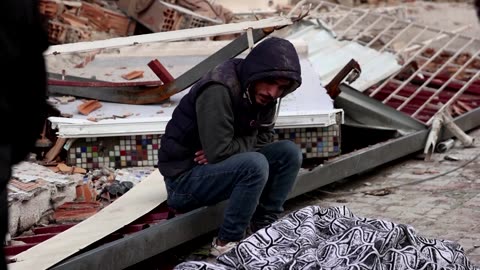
(273, 57)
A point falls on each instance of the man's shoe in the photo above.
(253, 228)
(217, 250)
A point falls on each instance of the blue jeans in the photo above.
(256, 184)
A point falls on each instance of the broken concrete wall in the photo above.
(34, 191)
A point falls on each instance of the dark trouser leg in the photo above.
(284, 160)
(240, 178)
(5, 173)
(3, 225)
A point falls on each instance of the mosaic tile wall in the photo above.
(115, 152)
(132, 151)
(314, 142)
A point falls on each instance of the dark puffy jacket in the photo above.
(273, 57)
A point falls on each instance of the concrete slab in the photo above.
(34, 191)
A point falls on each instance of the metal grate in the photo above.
(440, 68)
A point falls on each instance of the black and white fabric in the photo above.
(334, 238)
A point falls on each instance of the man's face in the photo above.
(268, 90)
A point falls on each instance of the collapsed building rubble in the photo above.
(34, 192)
(440, 68)
(75, 21)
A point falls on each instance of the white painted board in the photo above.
(141, 199)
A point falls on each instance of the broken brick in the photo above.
(29, 186)
(133, 75)
(67, 169)
(75, 211)
(84, 193)
(89, 106)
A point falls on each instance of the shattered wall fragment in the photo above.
(34, 192)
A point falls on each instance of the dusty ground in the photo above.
(447, 16)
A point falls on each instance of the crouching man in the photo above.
(219, 143)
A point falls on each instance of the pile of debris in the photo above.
(352, 3)
(75, 21)
(59, 194)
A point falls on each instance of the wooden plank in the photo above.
(141, 199)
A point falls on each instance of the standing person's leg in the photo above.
(284, 160)
(240, 178)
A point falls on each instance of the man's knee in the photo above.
(291, 153)
(256, 166)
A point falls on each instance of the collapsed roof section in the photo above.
(307, 107)
(440, 68)
(328, 55)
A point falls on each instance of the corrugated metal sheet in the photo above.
(328, 56)
(440, 69)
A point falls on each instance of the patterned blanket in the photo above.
(334, 238)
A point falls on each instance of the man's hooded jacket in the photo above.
(235, 123)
